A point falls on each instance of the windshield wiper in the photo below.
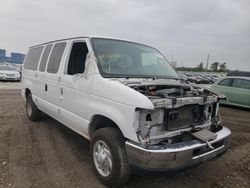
(166, 77)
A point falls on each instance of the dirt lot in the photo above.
(4, 85)
(47, 154)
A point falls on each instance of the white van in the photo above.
(128, 101)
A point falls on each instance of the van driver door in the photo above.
(74, 86)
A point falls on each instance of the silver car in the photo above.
(9, 73)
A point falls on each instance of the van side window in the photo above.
(45, 58)
(32, 58)
(77, 58)
(55, 57)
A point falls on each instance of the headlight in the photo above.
(17, 74)
(148, 118)
(148, 122)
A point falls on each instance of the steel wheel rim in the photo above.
(102, 158)
(28, 106)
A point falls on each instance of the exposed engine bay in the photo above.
(180, 110)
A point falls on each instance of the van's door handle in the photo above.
(46, 87)
(61, 91)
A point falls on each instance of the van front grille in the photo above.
(183, 117)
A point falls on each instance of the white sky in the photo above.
(186, 30)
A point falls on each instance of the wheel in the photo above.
(109, 157)
(33, 112)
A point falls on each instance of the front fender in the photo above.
(123, 115)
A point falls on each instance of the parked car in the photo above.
(197, 79)
(192, 78)
(127, 100)
(9, 73)
(208, 79)
(239, 73)
(211, 78)
(216, 76)
(183, 76)
(236, 89)
(202, 79)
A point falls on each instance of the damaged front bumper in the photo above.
(179, 155)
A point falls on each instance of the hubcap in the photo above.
(28, 106)
(102, 158)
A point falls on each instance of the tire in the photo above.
(111, 144)
(32, 111)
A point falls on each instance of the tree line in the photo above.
(214, 67)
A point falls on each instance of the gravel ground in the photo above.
(47, 154)
(4, 85)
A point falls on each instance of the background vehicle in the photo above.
(239, 73)
(236, 89)
(216, 77)
(209, 79)
(183, 76)
(197, 79)
(9, 73)
(202, 79)
(192, 78)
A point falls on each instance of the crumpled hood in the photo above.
(166, 88)
(147, 81)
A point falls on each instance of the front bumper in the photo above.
(177, 156)
(16, 78)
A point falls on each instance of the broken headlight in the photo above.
(147, 122)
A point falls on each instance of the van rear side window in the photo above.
(55, 57)
(45, 58)
(32, 58)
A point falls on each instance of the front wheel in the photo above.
(109, 157)
(32, 111)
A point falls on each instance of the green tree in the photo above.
(223, 67)
(214, 66)
(200, 66)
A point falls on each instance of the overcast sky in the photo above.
(183, 30)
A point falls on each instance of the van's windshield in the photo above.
(118, 58)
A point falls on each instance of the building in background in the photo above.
(2, 55)
(16, 58)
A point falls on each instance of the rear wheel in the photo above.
(109, 157)
(32, 111)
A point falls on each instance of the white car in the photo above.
(9, 73)
(126, 99)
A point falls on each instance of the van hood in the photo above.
(150, 93)
(118, 91)
(170, 91)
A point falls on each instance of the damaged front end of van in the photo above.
(183, 129)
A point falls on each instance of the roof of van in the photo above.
(80, 37)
